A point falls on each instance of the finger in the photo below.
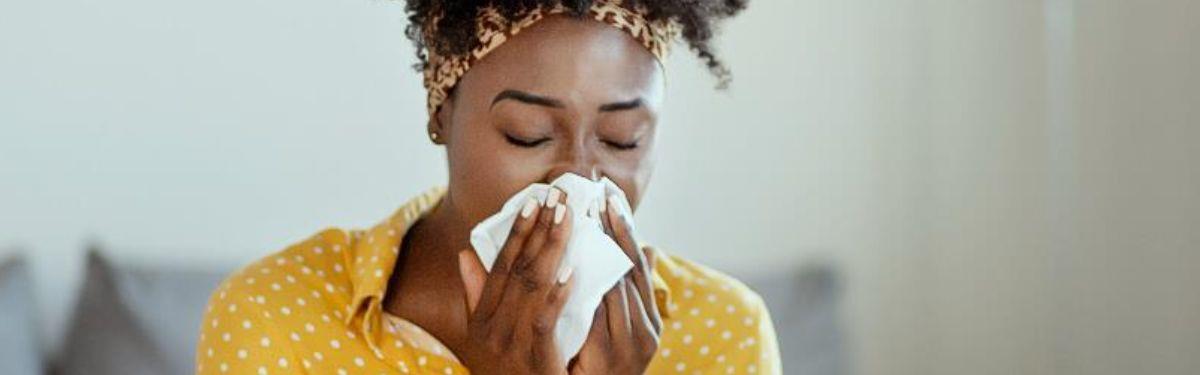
(648, 252)
(473, 277)
(507, 316)
(494, 288)
(537, 240)
(522, 227)
(641, 274)
(546, 266)
(500, 321)
(643, 280)
(547, 318)
(621, 232)
(523, 282)
(599, 338)
(618, 313)
(557, 298)
(543, 274)
(604, 218)
(645, 335)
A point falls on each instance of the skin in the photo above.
(563, 96)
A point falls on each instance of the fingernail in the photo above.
(559, 212)
(552, 200)
(603, 206)
(529, 206)
(565, 274)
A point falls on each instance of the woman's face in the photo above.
(563, 96)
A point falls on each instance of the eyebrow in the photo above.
(527, 98)
(621, 106)
(534, 99)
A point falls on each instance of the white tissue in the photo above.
(597, 260)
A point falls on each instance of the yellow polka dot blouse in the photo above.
(316, 308)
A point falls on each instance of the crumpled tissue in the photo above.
(597, 260)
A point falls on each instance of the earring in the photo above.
(433, 136)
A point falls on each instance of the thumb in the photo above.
(473, 276)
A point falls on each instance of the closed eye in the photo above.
(527, 143)
(622, 146)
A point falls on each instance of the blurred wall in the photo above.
(1008, 185)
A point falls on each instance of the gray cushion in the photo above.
(136, 320)
(805, 308)
(19, 345)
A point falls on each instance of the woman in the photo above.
(520, 92)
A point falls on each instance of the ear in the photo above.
(439, 122)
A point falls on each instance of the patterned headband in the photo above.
(493, 29)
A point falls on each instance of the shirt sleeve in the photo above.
(237, 337)
(764, 350)
(753, 347)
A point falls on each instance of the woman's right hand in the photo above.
(512, 311)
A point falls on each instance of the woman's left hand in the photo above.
(626, 329)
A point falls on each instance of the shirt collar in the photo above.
(374, 257)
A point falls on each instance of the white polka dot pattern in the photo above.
(316, 308)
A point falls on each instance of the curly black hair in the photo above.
(455, 29)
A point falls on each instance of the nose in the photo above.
(575, 160)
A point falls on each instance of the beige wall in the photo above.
(1008, 185)
(1038, 187)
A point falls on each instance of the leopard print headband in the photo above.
(443, 72)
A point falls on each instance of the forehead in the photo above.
(580, 61)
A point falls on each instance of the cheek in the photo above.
(484, 175)
(633, 176)
(635, 186)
